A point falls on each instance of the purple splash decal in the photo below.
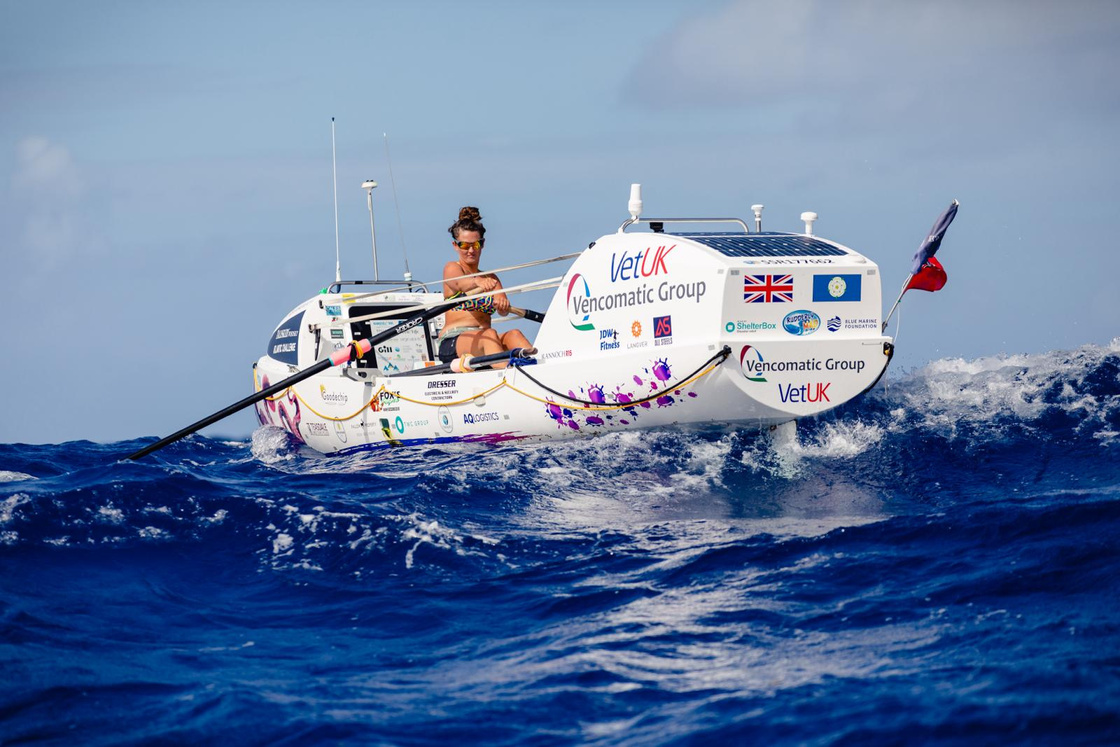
(659, 372)
(282, 411)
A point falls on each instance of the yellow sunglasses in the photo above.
(469, 244)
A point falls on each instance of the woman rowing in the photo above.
(466, 328)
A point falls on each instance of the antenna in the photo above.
(397, 205)
(757, 210)
(369, 185)
(334, 172)
(635, 205)
(810, 218)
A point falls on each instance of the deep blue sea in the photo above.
(936, 562)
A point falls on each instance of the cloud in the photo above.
(882, 62)
(46, 206)
(43, 167)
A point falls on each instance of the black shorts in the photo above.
(447, 349)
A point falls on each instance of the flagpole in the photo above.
(897, 302)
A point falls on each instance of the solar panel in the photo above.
(765, 245)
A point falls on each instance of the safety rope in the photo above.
(703, 370)
(588, 405)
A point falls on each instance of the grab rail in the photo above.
(524, 288)
(534, 263)
(631, 221)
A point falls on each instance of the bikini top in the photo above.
(484, 305)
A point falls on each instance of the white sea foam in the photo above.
(10, 504)
(992, 390)
(272, 445)
(282, 544)
(111, 514)
(431, 532)
(6, 476)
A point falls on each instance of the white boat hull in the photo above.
(646, 331)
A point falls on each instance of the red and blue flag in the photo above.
(932, 243)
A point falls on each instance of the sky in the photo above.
(166, 179)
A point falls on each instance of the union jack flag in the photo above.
(768, 288)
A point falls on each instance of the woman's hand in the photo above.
(501, 303)
(486, 283)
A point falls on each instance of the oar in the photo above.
(516, 357)
(353, 351)
(532, 316)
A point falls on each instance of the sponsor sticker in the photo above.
(334, 310)
(335, 398)
(582, 304)
(442, 389)
(608, 339)
(446, 424)
(836, 323)
(802, 322)
(386, 401)
(754, 365)
(750, 362)
(663, 330)
(336, 334)
(809, 392)
(644, 264)
(284, 345)
(740, 325)
(805, 261)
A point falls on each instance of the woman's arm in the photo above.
(454, 282)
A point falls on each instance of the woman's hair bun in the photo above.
(469, 220)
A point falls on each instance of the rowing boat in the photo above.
(647, 328)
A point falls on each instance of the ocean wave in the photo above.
(980, 428)
(1060, 392)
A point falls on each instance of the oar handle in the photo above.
(529, 314)
(516, 356)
